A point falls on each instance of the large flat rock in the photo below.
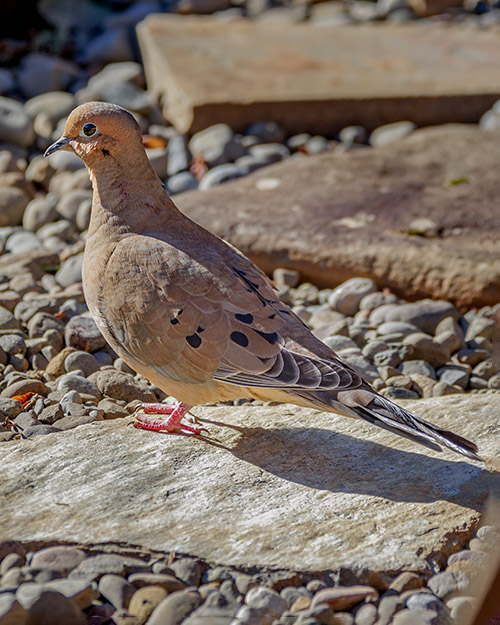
(317, 78)
(337, 216)
(277, 487)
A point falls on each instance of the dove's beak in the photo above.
(58, 145)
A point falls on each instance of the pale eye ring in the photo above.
(88, 130)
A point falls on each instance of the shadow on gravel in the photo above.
(328, 460)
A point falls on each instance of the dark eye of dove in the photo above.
(89, 130)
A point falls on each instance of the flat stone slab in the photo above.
(312, 78)
(278, 487)
(337, 216)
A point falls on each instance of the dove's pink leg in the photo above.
(146, 421)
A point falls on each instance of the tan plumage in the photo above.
(190, 312)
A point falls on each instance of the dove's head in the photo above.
(97, 130)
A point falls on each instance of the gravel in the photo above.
(75, 585)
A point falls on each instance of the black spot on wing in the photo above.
(244, 318)
(199, 329)
(174, 321)
(105, 152)
(194, 340)
(270, 337)
(239, 338)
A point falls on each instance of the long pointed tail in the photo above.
(367, 404)
(386, 414)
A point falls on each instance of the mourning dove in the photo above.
(190, 312)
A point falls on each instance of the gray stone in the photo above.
(56, 105)
(158, 160)
(387, 358)
(70, 271)
(266, 600)
(188, 570)
(269, 152)
(267, 132)
(40, 322)
(39, 73)
(179, 157)
(352, 134)
(400, 327)
(425, 314)
(396, 393)
(338, 343)
(423, 347)
(22, 241)
(82, 333)
(448, 584)
(94, 567)
(377, 299)
(8, 320)
(62, 228)
(74, 382)
(39, 212)
(79, 591)
(65, 161)
(366, 614)
(83, 215)
(374, 477)
(389, 133)
(248, 163)
(16, 126)
(124, 72)
(175, 608)
(111, 46)
(181, 182)
(420, 367)
(13, 202)
(480, 326)
(82, 361)
(10, 408)
(286, 277)
(347, 297)
(117, 590)
(359, 363)
(120, 385)
(217, 145)
(112, 410)
(11, 560)
(218, 175)
(6, 80)
(419, 617)
(69, 204)
(39, 430)
(455, 375)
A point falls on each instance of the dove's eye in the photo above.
(89, 130)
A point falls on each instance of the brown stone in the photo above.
(56, 365)
(310, 79)
(336, 216)
(26, 386)
(344, 597)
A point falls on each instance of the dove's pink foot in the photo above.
(146, 421)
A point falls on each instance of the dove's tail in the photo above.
(387, 415)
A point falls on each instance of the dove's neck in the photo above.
(128, 198)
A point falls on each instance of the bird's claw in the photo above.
(145, 420)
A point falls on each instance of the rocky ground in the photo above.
(57, 373)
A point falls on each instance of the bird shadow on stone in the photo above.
(336, 462)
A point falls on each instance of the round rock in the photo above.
(16, 125)
(347, 297)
